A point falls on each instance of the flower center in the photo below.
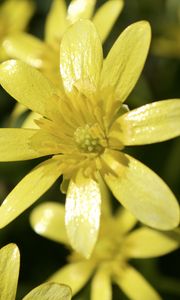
(90, 138)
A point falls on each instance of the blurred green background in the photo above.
(160, 80)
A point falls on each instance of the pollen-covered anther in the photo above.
(88, 140)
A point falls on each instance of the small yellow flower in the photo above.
(9, 273)
(14, 16)
(109, 260)
(85, 127)
(44, 55)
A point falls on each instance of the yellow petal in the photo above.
(83, 206)
(56, 23)
(17, 14)
(48, 220)
(106, 16)
(49, 291)
(28, 86)
(125, 221)
(150, 123)
(15, 144)
(75, 275)
(80, 9)
(135, 286)
(30, 121)
(146, 242)
(28, 190)
(142, 192)
(81, 58)
(101, 285)
(27, 48)
(9, 271)
(125, 61)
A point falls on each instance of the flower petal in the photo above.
(75, 275)
(48, 220)
(80, 9)
(141, 191)
(146, 242)
(49, 291)
(83, 206)
(135, 286)
(29, 122)
(28, 190)
(106, 16)
(15, 144)
(150, 123)
(101, 285)
(17, 14)
(27, 48)
(125, 61)
(125, 221)
(9, 271)
(56, 23)
(28, 86)
(81, 58)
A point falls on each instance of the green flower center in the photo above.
(89, 138)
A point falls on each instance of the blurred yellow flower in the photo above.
(14, 17)
(44, 55)
(85, 127)
(109, 261)
(9, 273)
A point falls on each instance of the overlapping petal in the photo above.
(49, 291)
(124, 63)
(56, 23)
(28, 86)
(83, 206)
(9, 271)
(27, 48)
(79, 9)
(125, 221)
(141, 191)
(151, 123)
(81, 58)
(135, 286)
(101, 285)
(146, 242)
(75, 275)
(28, 190)
(15, 144)
(48, 220)
(106, 16)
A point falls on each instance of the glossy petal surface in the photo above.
(125, 61)
(146, 242)
(142, 192)
(49, 291)
(28, 190)
(83, 206)
(26, 85)
(9, 271)
(48, 220)
(80, 9)
(101, 285)
(135, 286)
(75, 275)
(81, 58)
(150, 123)
(106, 16)
(10, 138)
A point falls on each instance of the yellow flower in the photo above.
(14, 16)
(85, 128)
(45, 55)
(109, 261)
(9, 273)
